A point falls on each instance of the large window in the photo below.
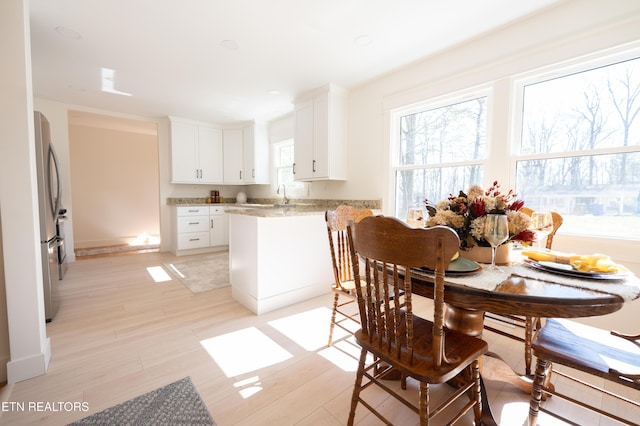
(579, 151)
(439, 148)
(575, 148)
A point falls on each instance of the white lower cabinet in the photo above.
(218, 226)
(199, 228)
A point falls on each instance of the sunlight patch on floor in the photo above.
(145, 239)
(340, 358)
(175, 270)
(158, 274)
(248, 387)
(514, 413)
(309, 329)
(244, 351)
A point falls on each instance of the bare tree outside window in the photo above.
(440, 150)
(580, 149)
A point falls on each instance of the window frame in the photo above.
(484, 91)
(552, 72)
(297, 189)
(505, 98)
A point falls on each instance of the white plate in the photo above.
(565, 269)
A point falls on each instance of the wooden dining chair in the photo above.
(599, 353)
(529, 324)
(421, 349)
(344, 285)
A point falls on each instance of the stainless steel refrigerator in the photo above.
(49, 194)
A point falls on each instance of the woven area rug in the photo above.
(175, 404)
(202, 273)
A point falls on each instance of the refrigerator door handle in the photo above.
(53, 162)
(55, 243)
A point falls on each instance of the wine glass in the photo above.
(415, 217)
(542, 226)
(496, 232)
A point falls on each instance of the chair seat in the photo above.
(589, 349)
(347, 287)
(460, 347)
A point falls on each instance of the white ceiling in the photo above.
(170, 54)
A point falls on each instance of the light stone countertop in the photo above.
(267, 208)
(273, 211)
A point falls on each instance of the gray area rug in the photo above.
(202, 273)
(175, 404)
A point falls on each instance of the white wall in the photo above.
(115, 195)
(30, 348)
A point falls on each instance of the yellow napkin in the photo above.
(600, 263)
(548, 256)
(596, 263)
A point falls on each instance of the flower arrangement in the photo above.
(466, 214)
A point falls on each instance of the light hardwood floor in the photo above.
(120, 333)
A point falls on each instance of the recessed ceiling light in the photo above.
(229, 44)
(273, 92)
(68, 32)
(362, 40)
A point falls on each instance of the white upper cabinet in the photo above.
(210, 154)
(196, 153)
(233, 156)
(320, 135)
(256, 154)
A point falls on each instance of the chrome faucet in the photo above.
(285, 200)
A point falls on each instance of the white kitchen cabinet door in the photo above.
(256, 154)
(322, 143)
(233, 160)
(184, 141)
(210, 155)
(217, 231)
(196, 153)
(303, 142)
(320, 136)
(218, 226)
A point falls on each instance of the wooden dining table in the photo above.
(523, 293)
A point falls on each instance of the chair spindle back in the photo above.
(389, 250)
(337, 221)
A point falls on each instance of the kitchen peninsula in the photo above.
(278, 255)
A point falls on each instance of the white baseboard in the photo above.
(29, 367)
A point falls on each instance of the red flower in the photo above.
(478, 208)
(516, 205)
(526, 236)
